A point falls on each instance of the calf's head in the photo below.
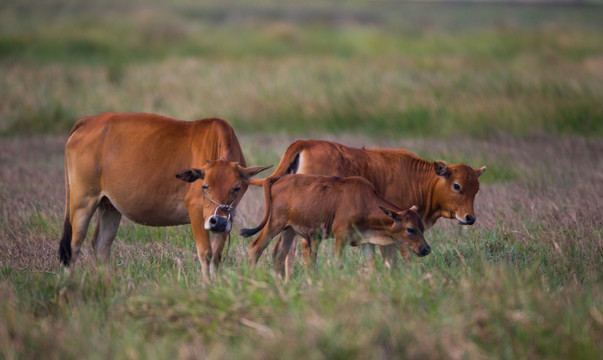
(219, 187)
(455, 190)
(408, 229)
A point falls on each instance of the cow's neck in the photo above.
(424, 186)
(417, 181)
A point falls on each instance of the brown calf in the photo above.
(313, 206)
(145, 167)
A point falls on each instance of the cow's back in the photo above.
(330, 159)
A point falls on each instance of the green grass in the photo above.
(477, 297)
(517, 88)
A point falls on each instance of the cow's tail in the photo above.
(289, 162)
(65, 247)
(268, 203)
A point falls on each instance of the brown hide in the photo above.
(399, 175)
(156, 171)
(314, 206)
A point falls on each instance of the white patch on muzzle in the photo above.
(207, 225)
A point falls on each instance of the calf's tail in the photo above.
(268, 203)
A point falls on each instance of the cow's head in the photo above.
(408, 229)
(220, 188)
(455, 190)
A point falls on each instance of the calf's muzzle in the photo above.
(425, 251)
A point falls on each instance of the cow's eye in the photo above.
(411, 231)
(457, 187)
(205, 188)
(236, 190)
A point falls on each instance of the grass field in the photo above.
(517, 88)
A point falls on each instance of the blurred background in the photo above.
(379, 68)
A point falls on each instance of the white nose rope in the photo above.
(228, 208)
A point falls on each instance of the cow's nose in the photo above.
(426, 251)
(470, 219)
(217, 223)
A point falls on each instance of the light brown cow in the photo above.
(400, 176)
(145, 167)
(315, 206)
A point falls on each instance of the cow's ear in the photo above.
(246, 173)
(190, 175)
(391, 213)
(480, 171)
(441, 169)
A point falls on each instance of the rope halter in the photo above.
(227, 208)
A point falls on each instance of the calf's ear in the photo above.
(391, 213)
(441, 168)
(480, 171)
(246, 173)
(190, 175)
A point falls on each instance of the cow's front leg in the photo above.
(204, 250)
(217, 244)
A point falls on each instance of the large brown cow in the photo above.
(315, 206)
(400, 176)
(145, 167)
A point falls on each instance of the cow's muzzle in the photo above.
(218, 223)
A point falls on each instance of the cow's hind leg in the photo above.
(310, 251)
(281, 266)
(107, 223)
(80, 214)
(290, 260)
(258, 245)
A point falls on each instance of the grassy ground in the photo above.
(517, 88)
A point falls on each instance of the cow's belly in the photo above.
(155, 211)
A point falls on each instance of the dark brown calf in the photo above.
(315, 206)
